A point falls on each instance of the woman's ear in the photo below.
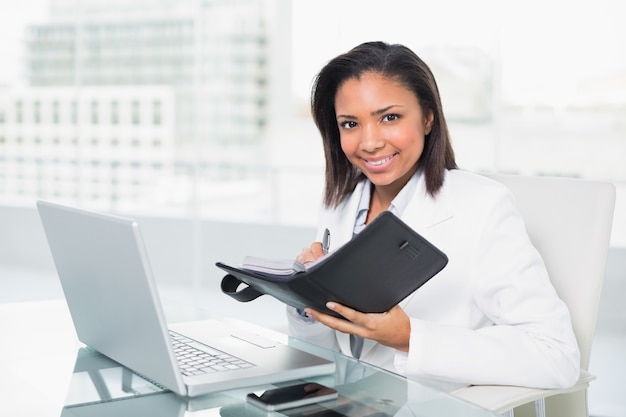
(429, 120)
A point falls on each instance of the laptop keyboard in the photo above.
(196, 359)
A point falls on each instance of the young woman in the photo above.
(491, 316)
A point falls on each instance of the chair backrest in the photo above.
(569, 222)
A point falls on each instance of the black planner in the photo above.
(371, 273)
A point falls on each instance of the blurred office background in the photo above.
(192, 116)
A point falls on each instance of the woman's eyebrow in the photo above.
(384, 110)
(374, 113)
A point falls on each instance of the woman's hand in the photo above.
(391, 328)
(310, 254)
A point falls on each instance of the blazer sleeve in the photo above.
(527, 338)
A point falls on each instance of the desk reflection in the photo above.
(34, 381)
(103, 387)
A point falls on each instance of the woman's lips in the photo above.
(381, 164)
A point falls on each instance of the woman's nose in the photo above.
(371, 139)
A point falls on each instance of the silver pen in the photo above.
(326, 242)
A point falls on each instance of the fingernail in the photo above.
(330, 305)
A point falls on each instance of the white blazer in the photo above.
(491, 316)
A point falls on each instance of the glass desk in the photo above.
(69, 379)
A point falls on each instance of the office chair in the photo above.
(569, 221)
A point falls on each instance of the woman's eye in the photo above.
(348, 124)
(390, 117)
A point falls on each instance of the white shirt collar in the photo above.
(398, 204)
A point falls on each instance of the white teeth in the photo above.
(382, 161)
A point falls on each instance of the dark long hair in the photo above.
(395, 62)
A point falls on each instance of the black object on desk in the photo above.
(371, 273)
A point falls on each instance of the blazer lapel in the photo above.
(424, 212)
(342, 226)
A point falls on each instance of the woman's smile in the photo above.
(379, 164)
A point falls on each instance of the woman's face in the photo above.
(382, 129)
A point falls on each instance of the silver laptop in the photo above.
(104, 270)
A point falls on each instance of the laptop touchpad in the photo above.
(255, 339)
